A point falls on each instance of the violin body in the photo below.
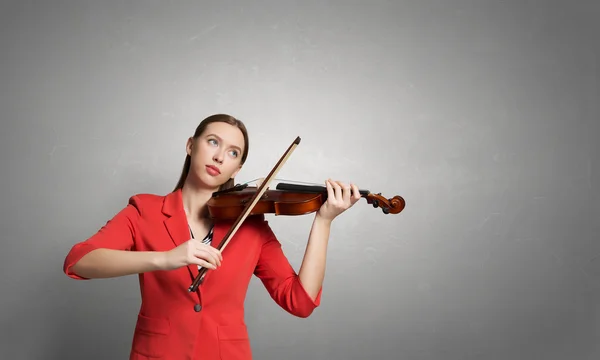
(288, 199)
(230, 206)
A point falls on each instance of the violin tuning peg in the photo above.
(385, 210)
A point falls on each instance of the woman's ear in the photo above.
(189, 145)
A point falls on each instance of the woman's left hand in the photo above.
(340, 197)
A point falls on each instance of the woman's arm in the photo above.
(106, 253)
(300, 293)
(111, 251)
(106, 263)
(312, 271)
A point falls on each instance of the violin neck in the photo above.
(311, 188)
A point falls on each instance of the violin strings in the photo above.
(298, 182)
(283, 180)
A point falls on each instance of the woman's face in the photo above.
(216, 154)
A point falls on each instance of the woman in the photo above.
(166, 239)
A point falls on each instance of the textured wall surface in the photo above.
(483, 115)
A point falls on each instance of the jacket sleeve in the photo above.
(280, 279)
(117, 233)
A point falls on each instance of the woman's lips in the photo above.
(212, 170)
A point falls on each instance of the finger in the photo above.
(206, 264)
(207, 256)
(214, 251)
(355, 192)
(338, 191)
(200, 259)
(330, 193)
(347, 192)
(213, 256)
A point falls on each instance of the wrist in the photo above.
(322, 220)
(159, 260)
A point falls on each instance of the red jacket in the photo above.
(208, 324)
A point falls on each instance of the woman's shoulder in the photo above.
(150, 202)
(147, 199)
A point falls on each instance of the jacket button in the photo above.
(197, 308)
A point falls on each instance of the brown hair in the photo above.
(199, 130)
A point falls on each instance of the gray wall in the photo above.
(482, 115)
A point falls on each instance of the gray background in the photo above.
(483, 115)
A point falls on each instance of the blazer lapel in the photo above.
(176, 223)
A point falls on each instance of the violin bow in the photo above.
(249, 206)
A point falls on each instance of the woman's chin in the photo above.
(215, 182)
(206, 181)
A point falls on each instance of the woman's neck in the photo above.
(194, 201)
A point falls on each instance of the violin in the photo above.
(242, 201)
(288, 199)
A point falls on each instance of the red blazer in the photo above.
(174, 324)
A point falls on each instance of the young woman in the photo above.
(166, 239)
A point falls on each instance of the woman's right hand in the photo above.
(193, 252)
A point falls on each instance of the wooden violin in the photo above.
(242, 201)
(287, 199)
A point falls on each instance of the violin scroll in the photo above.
(388, 206)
